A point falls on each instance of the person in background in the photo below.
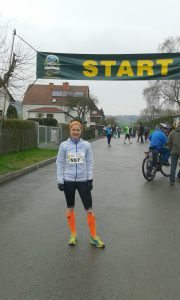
(174, 145)
(119, 132)
(109, 134)
(158, 140)
(138, 132)
(75, 172)
(141, 132)
(127, 134)
(146, 133)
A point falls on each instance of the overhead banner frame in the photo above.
(155, 66)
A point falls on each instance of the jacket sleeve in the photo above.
(169, 141)
(89, 162)
(60, 162)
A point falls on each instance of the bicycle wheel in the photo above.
(148, 174)
(166, 170)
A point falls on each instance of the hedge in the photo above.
(45, 121)
(17, 135)
(14, 123)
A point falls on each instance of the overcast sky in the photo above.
(100, 27)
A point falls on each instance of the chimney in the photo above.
(51, 85)
(65, 86)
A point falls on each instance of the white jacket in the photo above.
(74, 161)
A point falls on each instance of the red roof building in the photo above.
(53, 101)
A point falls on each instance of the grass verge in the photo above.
(18, 160)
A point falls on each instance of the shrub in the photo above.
(17, 135)
(12, 112)
(45, 121)
(14, 123)
(88, 133)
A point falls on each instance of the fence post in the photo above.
(60, 134)
(37, 131)
(46, 134)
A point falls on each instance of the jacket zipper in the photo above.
(76, 164)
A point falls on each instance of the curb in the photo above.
(15, 174)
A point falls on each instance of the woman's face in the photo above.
(75, 132)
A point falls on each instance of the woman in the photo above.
(109, 134)
(75, 172)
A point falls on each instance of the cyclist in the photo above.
(158, 140)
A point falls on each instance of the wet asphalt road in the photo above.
(139, 222)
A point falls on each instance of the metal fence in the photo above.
(48, 135)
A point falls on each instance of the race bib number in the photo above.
(75, 158)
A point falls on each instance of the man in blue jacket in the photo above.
(158, 140)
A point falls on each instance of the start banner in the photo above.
(155, 66)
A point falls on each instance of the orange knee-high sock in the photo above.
(71, 221)
(91, 223)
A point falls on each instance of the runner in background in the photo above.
(109, 134)
(127, 134)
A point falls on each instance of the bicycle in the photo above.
(153, 163)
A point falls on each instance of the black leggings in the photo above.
(84, 193)
(109, 138)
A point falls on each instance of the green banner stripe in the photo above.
(161, 66)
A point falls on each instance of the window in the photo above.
(39, 115)
(57, 93)
(51, 116)
(67, 94)
(78, 94)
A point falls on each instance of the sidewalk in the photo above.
(12, 175)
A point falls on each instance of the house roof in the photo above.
(39, 94)
(47, 109)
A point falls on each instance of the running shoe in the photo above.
(72, 240)
(97, 242)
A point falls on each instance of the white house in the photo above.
(52, 101)
(5, 99)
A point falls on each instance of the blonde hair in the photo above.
(75, 123)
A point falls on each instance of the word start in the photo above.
(142, 67)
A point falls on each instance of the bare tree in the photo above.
(81, 105)
(165, 93)
(16, 65)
